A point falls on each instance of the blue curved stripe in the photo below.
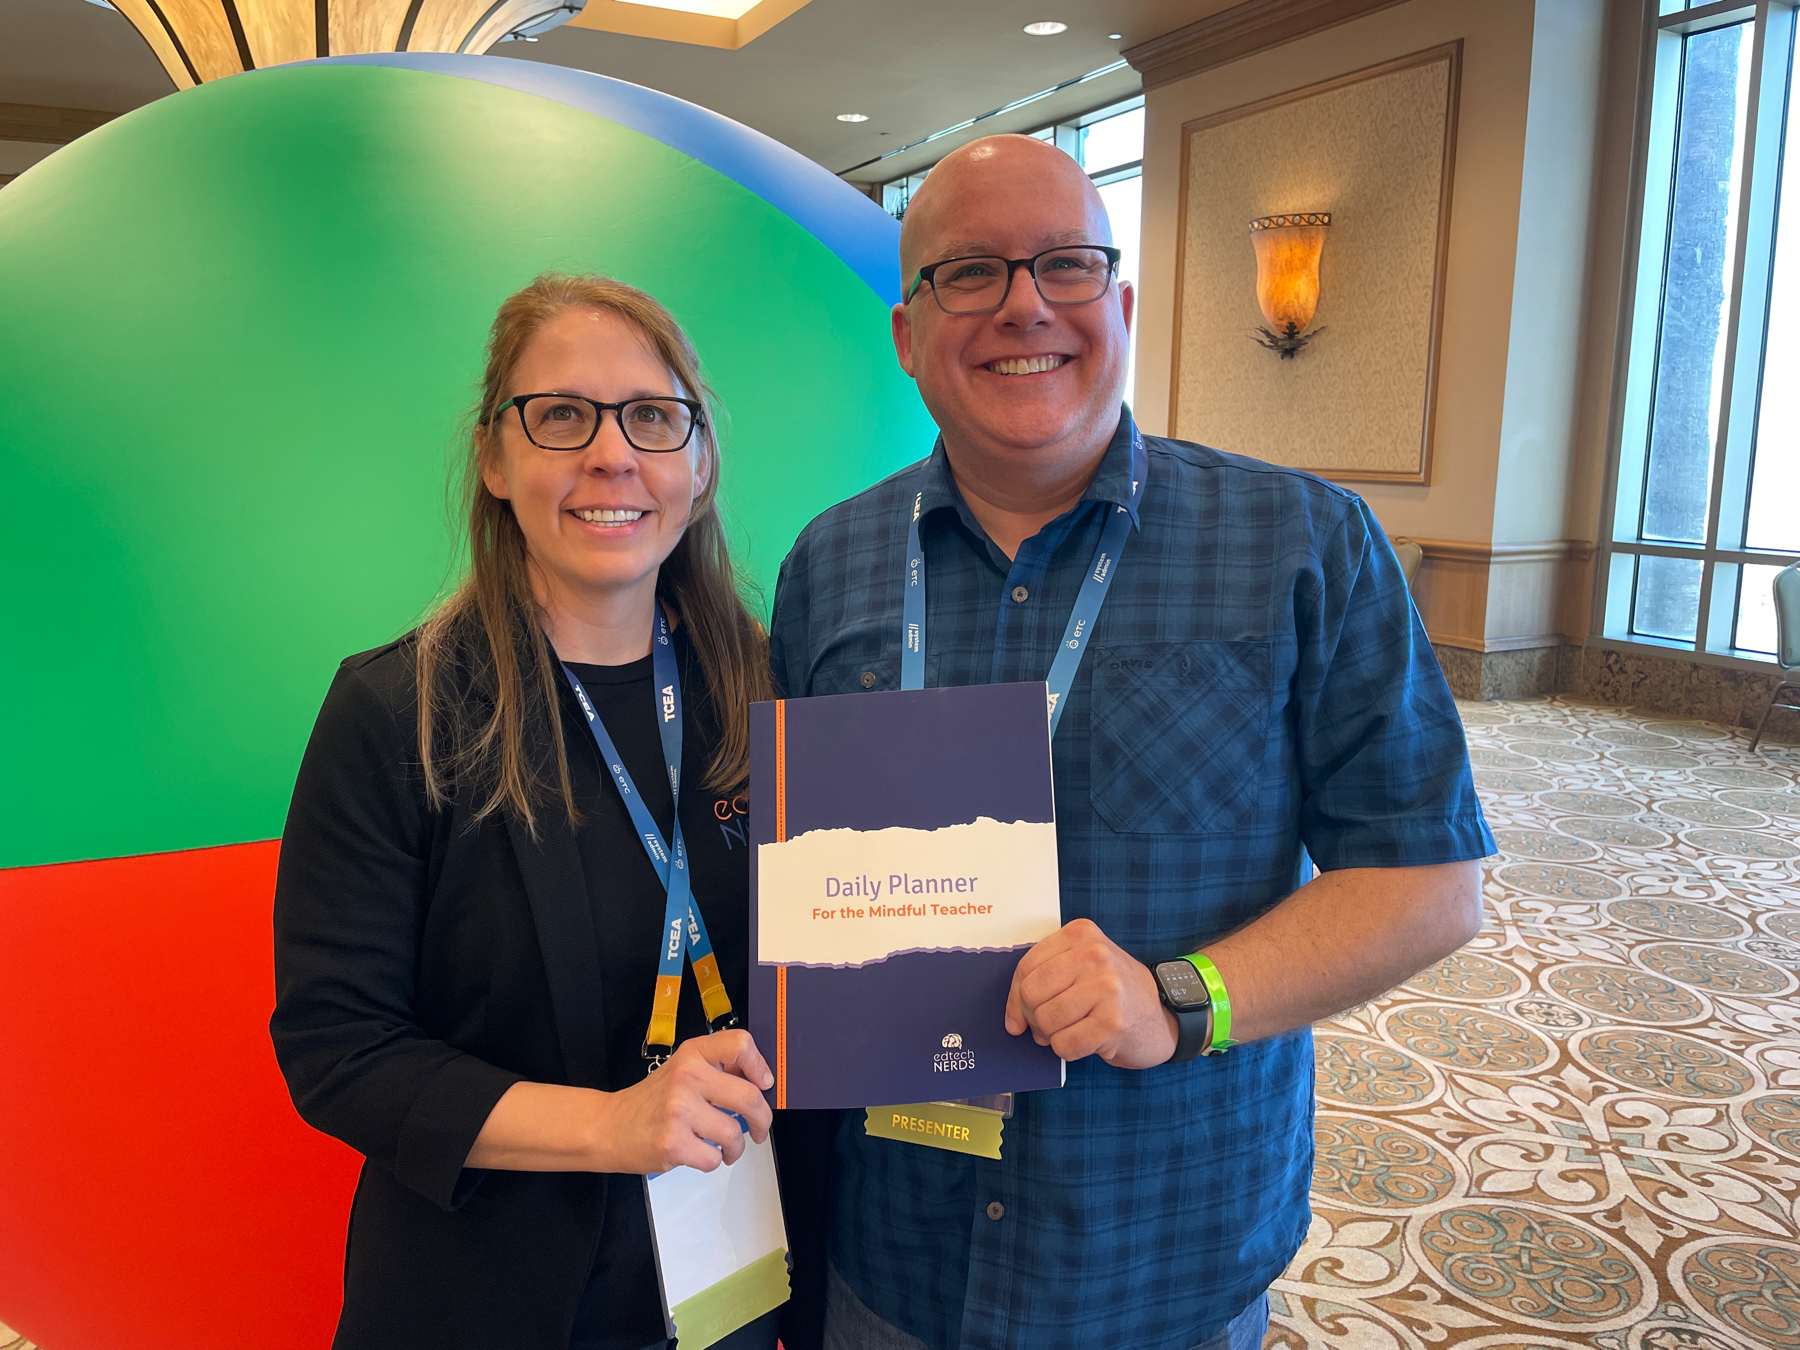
(836, 214)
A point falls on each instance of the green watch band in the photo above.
(1221, 1003)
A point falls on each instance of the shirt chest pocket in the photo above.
(1180, 736)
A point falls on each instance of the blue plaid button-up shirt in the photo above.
(1258, 682)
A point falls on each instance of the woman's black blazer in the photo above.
(423, 965)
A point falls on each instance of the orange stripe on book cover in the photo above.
(780, 837)
(780, 1037)
(780, 770)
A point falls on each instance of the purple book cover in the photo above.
(903, 859)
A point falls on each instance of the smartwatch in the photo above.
(1185, 994)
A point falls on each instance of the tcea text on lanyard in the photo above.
(1088, 601)
(683, 930)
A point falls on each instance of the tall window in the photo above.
(1109, 144)
(1111, 149)
(1705, 508)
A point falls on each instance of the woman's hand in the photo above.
(674, 1118)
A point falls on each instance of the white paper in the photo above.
(708, 1225)
(846, 897)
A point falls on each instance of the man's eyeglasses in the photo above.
(1074, 275)
(570, 422)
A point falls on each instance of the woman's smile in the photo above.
(608, 518)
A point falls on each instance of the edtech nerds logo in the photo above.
(954, 1059)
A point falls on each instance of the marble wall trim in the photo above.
(1647, 681)
(1724, 694)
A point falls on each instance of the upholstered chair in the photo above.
(1410, 555)
(1787, 645)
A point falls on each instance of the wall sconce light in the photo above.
(1287, 277)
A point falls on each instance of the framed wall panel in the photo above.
(1376, 148)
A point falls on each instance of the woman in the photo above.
(468, 925)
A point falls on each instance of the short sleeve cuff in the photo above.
(1402, 843)
(440, 1129)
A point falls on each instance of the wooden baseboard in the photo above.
(1487, 597)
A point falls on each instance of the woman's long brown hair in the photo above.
(489, 709)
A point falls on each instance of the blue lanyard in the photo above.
(684, 931)
(1081, 619)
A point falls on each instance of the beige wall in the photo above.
(1379, 272)
(1601, 318)
(1544, 346)
(1530, 300)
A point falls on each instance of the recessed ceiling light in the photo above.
(1046, 29)
(713, 9)
(853, 117)
(1114, 37)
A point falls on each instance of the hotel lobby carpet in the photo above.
(1582, 1132)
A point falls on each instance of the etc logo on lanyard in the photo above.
(1081, 618)
(669, 861)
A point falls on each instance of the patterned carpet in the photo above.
(1583, 1130)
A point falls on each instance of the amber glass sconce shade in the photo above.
(1287, 277)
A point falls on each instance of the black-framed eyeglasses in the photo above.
(570, 421)
(1076, 274)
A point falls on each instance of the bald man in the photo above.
(1258, 690)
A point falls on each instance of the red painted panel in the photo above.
(157, 1191)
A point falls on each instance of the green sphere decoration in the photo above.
(240, 328)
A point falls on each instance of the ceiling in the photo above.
(913, 68)
(70, 54)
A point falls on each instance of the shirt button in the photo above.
(996, 1210)
(868, 680)
(1020, 594)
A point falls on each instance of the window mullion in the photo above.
(1662, 134)
(1699, 19)
(1738, 385)
(1764, 197)
(1640, 321)
(1712, 621)
(1746, 308)
(1693, 552)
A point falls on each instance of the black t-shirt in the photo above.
(621, 1308)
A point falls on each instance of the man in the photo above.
(1257, 683)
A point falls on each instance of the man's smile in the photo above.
(1025, 365)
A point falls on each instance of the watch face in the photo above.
(1182, 985)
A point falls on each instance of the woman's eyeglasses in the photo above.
(570, 422)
